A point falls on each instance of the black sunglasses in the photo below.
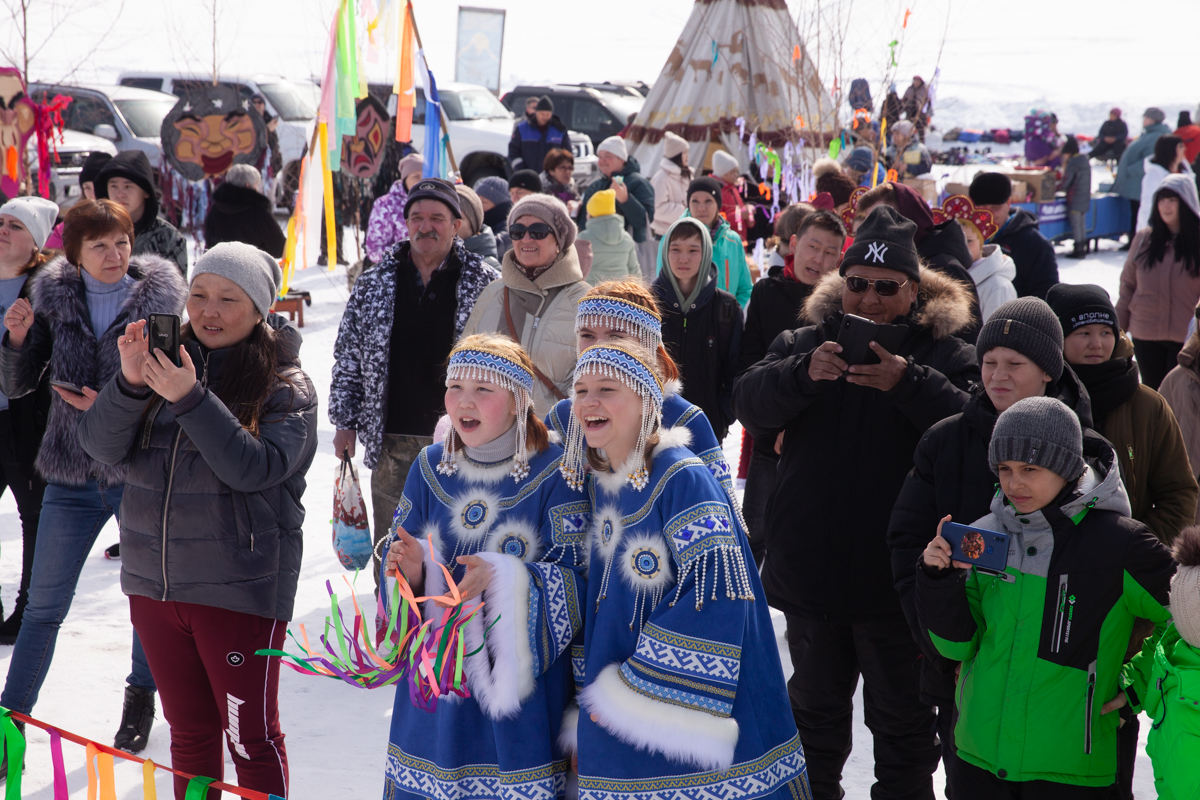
(536, 231)
(884, 287)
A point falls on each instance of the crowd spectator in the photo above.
(670, 183)
(496, 201)
(1110, 142)
(1077, 184)
(991, 270)
(128, 179)
(535, 136)
(523, 183)
(733, 273)
(276, 159)
(891, 107)
(857, 167)
(701, 324)
(737, 213)
(25, 223)
(621, 172)
(203, 600)
(847, 427)
(81, 304)
(1168, 159)
(240, 212)
(906, 152)
(534, 303)
(384, 388)
(831, 179)
(614, 253)
(477, 237)
(1045, 148)
(917, 108)
(1189, 132)
(90, 171)
(1131, 169)
(558, 171)
(386, 226)
(1160, 282)
(1181, 390)
(1019, 236)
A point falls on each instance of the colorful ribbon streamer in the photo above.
(892, 45)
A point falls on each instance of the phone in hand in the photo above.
(857, 333)
(978, 546)
(164, 335)
(68, 386)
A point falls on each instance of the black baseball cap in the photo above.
(434, 189)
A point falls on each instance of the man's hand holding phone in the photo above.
(824, 364)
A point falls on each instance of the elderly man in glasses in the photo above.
(850, 430)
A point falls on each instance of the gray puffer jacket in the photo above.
(211, 513)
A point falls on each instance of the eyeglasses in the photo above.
(537, 231)
(884, 287)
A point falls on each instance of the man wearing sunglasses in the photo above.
(850, 431)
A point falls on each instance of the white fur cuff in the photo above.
(568, 734)
(684, 735)
(501, 677)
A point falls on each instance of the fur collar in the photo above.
(476, 472)
(943, 304)
(612, 482)
(674, 386)
(564, 271)
(157, 280)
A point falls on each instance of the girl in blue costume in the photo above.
(616, 311)
(498, 513)
(681, 689)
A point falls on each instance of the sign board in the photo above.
(480, 45)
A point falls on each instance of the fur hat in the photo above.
(472, 210)
(723, 163)
(825, 166)
(673, 145)
(550, 210)
(616, 146)
(1185, 585)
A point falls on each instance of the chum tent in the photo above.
(735, 59)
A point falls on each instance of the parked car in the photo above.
(599, 110)
(68, 157)
(480, 129)
(129, 118)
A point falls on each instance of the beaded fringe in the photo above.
(737, 579)
(448, 465)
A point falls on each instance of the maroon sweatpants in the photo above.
(213, 686)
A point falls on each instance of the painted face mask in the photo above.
(362, 153)
(17, 118)
(209, 130)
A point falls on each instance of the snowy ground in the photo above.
(336, 735)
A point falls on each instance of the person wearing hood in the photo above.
(241, 213)
(670, 183)
(534, 301)
(1131, 168)
(1077, 184)
(1020, 355)
(534, 137)
(476, 236)
(208, 586)
(614, 253)
(493, 195)
(941, 246)
(849, 436)
(1110, 142)
(991, 270)
(1160, 282)
(702, 325)
(128, 179)
(1041, 677)
(386, 225)
(1168, 159)
(729, 256)
(1019, 236)
(857, 167)
(621, 172)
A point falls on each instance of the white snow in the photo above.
(336, 735)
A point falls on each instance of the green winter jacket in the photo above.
(1165, 680)
(727, 252)
(614, 254)
(1042, 644)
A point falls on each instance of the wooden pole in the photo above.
(445, 123)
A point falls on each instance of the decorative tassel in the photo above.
(737, 578)
(449, 462)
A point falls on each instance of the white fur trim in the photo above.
(473, 472)
(683, 735)
(568, 734)
(606, 547)
(679, 436)
(501, 677)
(673, 386)
(477, 500)
(506, 531)
(613, 482)
(649, 549)
(441, 429)
(554, 437)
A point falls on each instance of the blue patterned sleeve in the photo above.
(706, 447)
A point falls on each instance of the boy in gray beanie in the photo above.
(1028, 326)
(1041, 431)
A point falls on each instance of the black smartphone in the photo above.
(70, 387)
(164, 335)
(978, 546)
(857, 333)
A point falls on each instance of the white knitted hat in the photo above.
(723, 162)
(1185, 586)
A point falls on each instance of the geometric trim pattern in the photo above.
(405, 773)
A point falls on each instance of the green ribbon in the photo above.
(197, 788)
(14, 750)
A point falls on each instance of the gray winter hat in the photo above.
(493, 189)
(550, 210)
(1041, 431)
(256, 272)
(1028, 326)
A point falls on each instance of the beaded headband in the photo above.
(624, 315)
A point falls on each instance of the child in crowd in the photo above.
(991, 268)
(1077, 183)
(614, 253)
(1041, 644)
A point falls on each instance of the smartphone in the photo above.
(67, 385)
(983, 548)
(857, 333)
(618, 179)
(164, 335)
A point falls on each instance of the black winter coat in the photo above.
(847, 450)
(529, 145)
(951, 475)
(945, 249)
(239, 214)
(28, 414)
(230, 500)
(1037, 266)
(704, 341)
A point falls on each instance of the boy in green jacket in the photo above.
(1041, 644)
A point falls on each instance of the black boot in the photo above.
(4, 758)
(12, 626)
(1080, 251)
(136, 720)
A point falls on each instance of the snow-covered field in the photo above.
(336, 735)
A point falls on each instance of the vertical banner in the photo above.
(434, 146)
(480, 46)
(405, 87)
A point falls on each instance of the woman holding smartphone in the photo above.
(81, 304)
(217, 450)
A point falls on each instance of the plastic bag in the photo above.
(351, 530)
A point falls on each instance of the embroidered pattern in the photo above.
(563, 617)
(623, 315)
(402, 511)
(699, 529)
(534, 629)
(405, 773)
(569, 525)
(645, 565)
(675, 697)
(578, 664)
(712, 661)
(704, 541)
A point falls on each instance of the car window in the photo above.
(593, 119)
(180, 87)
(143, 83)
(144, 116)
(473, 104)
(86, 112)
(292, 100)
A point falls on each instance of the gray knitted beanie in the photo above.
(1185, 586)
(1041, 431)
(1028, 326)
(256, 272)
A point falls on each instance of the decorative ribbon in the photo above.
(892, 44)
(48, 123)
(907, 13)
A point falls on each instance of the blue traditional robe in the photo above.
(681, 689)
(502, 741)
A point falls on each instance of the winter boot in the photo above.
(136, 720)
(12, 626)
(1080, 251)
(4, 758)
(113, 552)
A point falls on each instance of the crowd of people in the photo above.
(555, 445)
